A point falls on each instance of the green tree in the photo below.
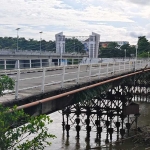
(18, 130)
(114, 50)
(74, 45)
(143, 44)
(113, 45)
(111, 51)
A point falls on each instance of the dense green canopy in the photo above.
(114, 50)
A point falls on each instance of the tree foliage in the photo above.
(31, 135)
(111, 51)
(18, 130)
(72, 44)
(6, 83)
(114, 50)
(24, 44)
(143, 46)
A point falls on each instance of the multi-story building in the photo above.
(60, 43)
(91, 45)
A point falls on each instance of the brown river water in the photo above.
(71, 143)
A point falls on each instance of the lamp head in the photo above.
(17, 28)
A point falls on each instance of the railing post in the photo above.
(43, 79)
(63, 77)
(129, 65)
(99, 73)
(140, 64)
(135, 65)
(113, 68)
(49, 62)
(17, 84)
(78, 74)
(119, 66)
(90, 71)
(124, 66)
(107, 69)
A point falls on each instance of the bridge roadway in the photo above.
(26, 54)
(30, 82)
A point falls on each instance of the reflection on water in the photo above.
(72, 143)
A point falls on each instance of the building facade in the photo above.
(60, 43)
(120, 43)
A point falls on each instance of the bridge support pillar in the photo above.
(17, 64)
(77, 120)
(49, 62)
(58, 62)
(30, 63)
(5, 64)
(40, 63)
(63, 121)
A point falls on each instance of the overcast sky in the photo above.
(114, 20)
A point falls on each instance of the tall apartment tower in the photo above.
(60, 43)
(94, 40)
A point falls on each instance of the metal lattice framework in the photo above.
(111, 109)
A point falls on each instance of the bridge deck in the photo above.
(35, 82)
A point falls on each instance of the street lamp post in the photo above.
(125, 53)
(17, 37)
(40, 39)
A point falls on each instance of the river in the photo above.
(71, 143)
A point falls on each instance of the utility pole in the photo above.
(40, 39)
(17, 38)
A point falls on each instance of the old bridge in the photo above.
(91, 96)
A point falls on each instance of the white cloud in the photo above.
(113, 19)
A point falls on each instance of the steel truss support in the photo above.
(108, 108)
(103, 113)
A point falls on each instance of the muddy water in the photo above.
(71, 143)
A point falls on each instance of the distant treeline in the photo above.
(72, 45)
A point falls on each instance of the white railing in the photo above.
(43, 79)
